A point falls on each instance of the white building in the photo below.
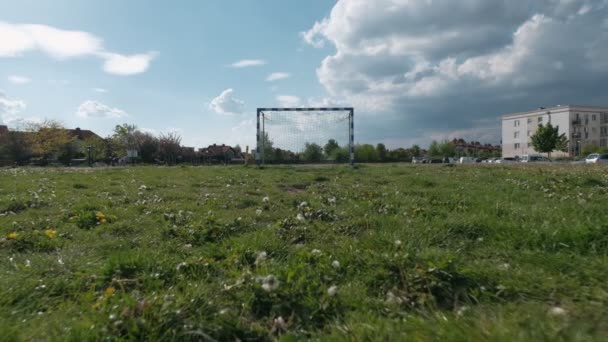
(583, 126)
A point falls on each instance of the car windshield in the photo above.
(593, 156)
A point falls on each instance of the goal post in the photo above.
(305, 135)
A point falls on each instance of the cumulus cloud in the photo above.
(10, 108)
(16, 79)
(227, 104)
(16, 39)
(245, 63)
(127, 65)
(441, 65)
(277, 76)
(94, 109)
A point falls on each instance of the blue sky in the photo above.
(414, 70)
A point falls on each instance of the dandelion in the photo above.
(270, 283)
(331, 200)
(266, 199)
(300, 217)
(335, 264)
(103, 221)
(557, 311)
(303, 205)
(397, 243)
(109, 291)
(28, 263)
(262, 256)
(315, 252)
(258, 212)
(143, 187)
(279, 324)
(180, 265)
(50, 233)
(188, 245)
(332, 291)
(12, 236)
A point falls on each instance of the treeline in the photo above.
(49, 142)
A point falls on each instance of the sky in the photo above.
(415, 70)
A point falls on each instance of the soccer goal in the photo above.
(305, 135)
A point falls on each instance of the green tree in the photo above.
(366, 153)
(547, 139)
(312, 153)
(169, 147)
(49, 139)
(416, 151)
(148, 147)
(330, 147)
(15, 146)
(125, 138)
(434, 150)
(382, 152)
(340, 155)
(447, 149)
(98, 148)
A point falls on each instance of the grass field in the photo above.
(376, 253)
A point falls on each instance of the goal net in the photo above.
(305, 135)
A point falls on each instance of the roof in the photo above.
(82, 134)
(558, 108)
(217, 150)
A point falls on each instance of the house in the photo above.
(474, 148)
(220, 154)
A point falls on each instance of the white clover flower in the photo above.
(188, 245)
(266, 199)
(557, 311)
(315, 252)
(262, 256)
(258, 212)
(332, 291)
(143, 187)
(28, 263)
(181, 265)
(300, 217)
(331, 200)
(279, 324)
(270, 283)
(335, 264)
(303, 205)
(397, 243)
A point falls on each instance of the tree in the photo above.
(169, 147)
(340, 155)
(447, 149)
(48, 139)
(366, 153)
(312, 153)
(434, 149)
(148, 147)
(15, 146)
(382, 151)
(238, 149)
(547, 138)
(267, 149)
(124, 138)
(98, 148)
(330, 147)
(416, 152)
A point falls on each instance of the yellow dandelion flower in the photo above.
(109, 291)
(100, 215)
(50, 233)
(12, 235)
(103, 221)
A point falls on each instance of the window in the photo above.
(603, 142)
(529, 144)
(517, 146)
(586, 135)
(540, 119)
(516, 123)
(528, 133)
(593, 117)
(516, 135)
(529, 120)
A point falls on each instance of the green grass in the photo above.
(409, 252)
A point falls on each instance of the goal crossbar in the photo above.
(260, 126)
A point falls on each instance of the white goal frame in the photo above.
(259, 155)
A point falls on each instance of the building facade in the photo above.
(583, 126)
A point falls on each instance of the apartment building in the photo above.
(583, 125)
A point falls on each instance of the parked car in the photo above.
(505, 161)
(417, 160)
(467, 160)
(535, 159)
(596, 158)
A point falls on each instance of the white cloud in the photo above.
(288, 101)
(100, 90)
(16, 79)
(10, 108)
(244, 63)
(16, 39)
(277, 76)
(94, 109)
(128, 65)
(227, 104)
(429, 65)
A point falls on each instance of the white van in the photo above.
(467, 160)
